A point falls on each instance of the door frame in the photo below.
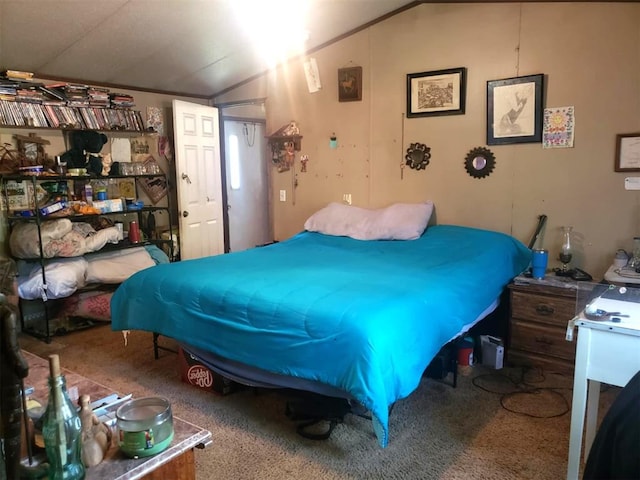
(223, 156)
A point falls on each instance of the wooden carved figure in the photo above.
(96, 436)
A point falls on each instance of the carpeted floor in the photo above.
(486, 428)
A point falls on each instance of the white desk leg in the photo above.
(579, 403)
(593, 402)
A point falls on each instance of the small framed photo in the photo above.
(627, 152)
(514, 110)
(439, 92)
(350, 84)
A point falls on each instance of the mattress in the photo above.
(363, 317)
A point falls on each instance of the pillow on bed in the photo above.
(400, 221)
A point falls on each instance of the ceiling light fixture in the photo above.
(278, 28)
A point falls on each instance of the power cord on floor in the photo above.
(522, 385)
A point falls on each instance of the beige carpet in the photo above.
(438, 432)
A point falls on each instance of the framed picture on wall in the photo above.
(627, 152)
(439, 92)
(350, 84)
(514, 110)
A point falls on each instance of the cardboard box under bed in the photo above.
(194, 372)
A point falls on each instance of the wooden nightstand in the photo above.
(537, 327)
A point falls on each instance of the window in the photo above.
(234, 162)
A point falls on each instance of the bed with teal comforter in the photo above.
(365, 317)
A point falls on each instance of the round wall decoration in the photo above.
(418, 155)
(479, 162)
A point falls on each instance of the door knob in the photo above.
(185, 214)
(186, 177)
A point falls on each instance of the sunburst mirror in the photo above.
(418, 155)
(479, 162)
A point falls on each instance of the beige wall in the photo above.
(590, 55)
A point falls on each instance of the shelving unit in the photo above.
(30, 183)
(66, 108)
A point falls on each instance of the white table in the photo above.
(607, 352)
(622, 275)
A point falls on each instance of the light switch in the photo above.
(283, 195)
(632, 183)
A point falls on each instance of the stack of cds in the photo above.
(24, 102)
(121, 100)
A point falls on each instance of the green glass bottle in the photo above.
(61, 429)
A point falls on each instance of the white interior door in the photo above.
(198, 177)
(247, 184)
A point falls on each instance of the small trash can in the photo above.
(465, 351)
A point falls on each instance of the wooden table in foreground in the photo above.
(177, 462)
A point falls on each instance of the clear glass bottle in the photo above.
(566, 250)
(61, 429)
(635, 258)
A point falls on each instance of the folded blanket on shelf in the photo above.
(60, 238)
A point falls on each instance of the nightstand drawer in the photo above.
(542, 340)
(542, 308)
(549, 364)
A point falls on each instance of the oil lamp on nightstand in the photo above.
(566, 251)
(565, 256)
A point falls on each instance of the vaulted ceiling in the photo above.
(195, 47)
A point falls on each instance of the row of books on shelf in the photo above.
(57, 115)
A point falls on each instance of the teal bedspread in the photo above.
(366, 317)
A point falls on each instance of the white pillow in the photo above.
(64, 277)
(117, 266)
(400, 221)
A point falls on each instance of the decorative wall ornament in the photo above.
(418, 155)
(312, 75)
(479, 162)
(303, 163)
(284, 143)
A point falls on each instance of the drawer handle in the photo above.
(544, 341)
(544, 310)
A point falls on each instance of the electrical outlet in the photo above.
(346, 198)
(283, 195)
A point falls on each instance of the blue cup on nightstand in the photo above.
(539, 263)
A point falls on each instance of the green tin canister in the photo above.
(144, 426)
